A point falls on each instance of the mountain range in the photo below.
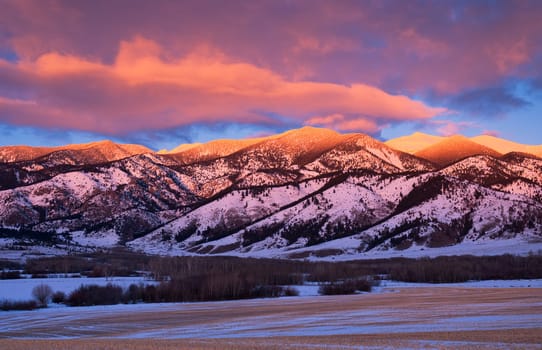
(305, 193)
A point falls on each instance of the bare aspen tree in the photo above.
(42, 293)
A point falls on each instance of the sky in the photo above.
(163, 73)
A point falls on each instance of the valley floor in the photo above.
(426, 317)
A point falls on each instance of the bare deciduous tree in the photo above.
(42, 293)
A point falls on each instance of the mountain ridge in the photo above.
(306, 193)
(109, 150)
(418, 144)
(414, 142)
(453, 149)
(505, 146)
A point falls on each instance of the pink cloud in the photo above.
(324, 45)
(144, 88)
(15, 102)
(508, 57)
(449, 128)
(421, 45)
(449, 47)
(244, 61)
(359, 124)
(343, 123)
(325, 120)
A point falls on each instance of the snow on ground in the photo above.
(235, 206)
(307, 290)
(386, 286)
(21, 289)
(423, 309)
(98, 239)
(11, 250)
(482, 247)
(392, 285)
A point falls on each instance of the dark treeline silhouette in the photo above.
(183, 279)
(466, 268)
(218, 269)
(198, 278)
(223, 278)
(443, 269)
(88, 295)
(10, 305)
(111, 263)
(10, 275)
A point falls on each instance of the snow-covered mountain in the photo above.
(87, 153)
(418, 142)
(306, 192)
(505, 146)
(414, 142)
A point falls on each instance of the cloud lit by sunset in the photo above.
(162, 72)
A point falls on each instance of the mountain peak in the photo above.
(414, 142)
(182, 147)
(456, 138)
(189, 153)
(453, 149)
(307, 136)
(504, 146)
(79, 146)
(310, 132)
(99, 151)
(308, 129)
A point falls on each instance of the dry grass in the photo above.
(505, 339)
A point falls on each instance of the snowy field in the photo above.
(536, 283)
(21, 289)
(478, 315)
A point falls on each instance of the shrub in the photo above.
(58, 297)
(133, 294)
(42, 293)
(266, 292)
(8, 305)
(92, 294)
(349, 286)
(290, 292)
(205, 287)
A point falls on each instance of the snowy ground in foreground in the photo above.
(535, 283)
(422, 309)
(21, 289)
